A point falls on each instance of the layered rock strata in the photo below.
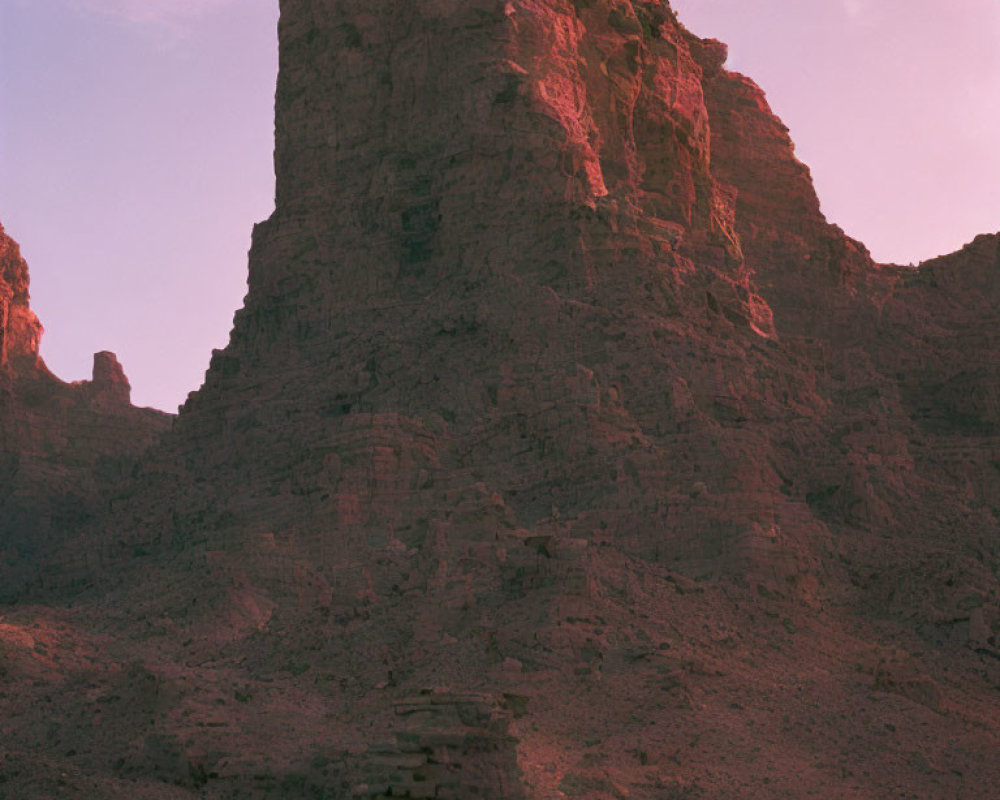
(557, 405)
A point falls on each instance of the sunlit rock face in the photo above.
(502, 233)
(561, 448)
(62, 446)
(20, 330)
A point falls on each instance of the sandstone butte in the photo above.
(561, 449)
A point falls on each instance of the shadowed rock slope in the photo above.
(61, 445)
(561, 449)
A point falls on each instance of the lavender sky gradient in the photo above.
(136, 139)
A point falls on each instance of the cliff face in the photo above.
(455, 266)
(20, 330)
(61, 445)
(560, 442)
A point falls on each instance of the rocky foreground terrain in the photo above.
(561, 449)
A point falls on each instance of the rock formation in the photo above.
(62, 446)
(20, 330)
(561, 449)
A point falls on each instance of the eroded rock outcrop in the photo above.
(20, 330)
(557, 405)
(61, 445)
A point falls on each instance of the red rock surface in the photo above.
(20, 330)
(561, 449)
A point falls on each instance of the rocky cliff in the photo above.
(561, 449)
(20, 330)
(62, 446)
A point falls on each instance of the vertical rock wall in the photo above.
(21, 330)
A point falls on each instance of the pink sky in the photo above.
(893, 104)
(136, 138)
